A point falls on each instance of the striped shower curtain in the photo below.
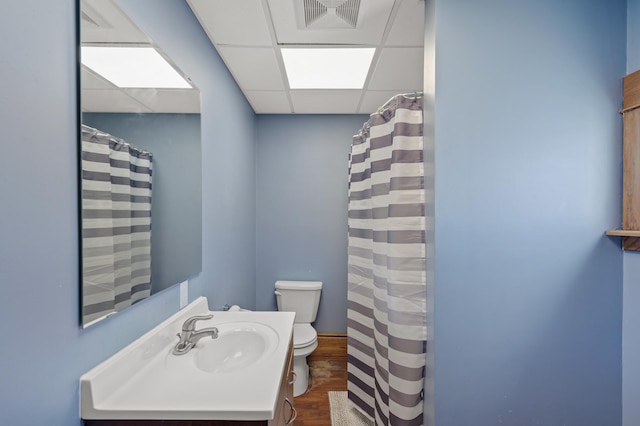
(116, 224)
(387, 279)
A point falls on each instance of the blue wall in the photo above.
(44, 350)
(302, 208)
(528, 297)
(228, 154)
(631, 312)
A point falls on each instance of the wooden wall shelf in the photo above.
(622, 233)
(631, 164)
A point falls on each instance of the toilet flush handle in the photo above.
(277, 293)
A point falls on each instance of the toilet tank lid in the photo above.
(299, 285)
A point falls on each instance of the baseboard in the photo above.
(330, 345)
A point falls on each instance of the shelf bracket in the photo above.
(630, 239)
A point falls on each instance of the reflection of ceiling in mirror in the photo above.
(104, 23)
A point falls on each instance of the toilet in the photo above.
(301, 297)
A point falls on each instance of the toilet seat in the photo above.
(303, 335)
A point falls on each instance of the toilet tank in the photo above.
(301, 297)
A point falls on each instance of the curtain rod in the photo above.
(387, 105)
(410, 95)
(115, 139)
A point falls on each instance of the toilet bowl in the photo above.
(301, 297)
(305, 341)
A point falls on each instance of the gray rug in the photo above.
(342, 414)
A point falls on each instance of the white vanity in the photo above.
(242, 377)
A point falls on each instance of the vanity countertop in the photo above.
(146, 381)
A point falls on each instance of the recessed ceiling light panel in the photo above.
(327, 68)
(133, 67)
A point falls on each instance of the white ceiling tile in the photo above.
(408, 26)
(110, 101)
(177, 101)
(254, 68)
(398, 68)
(251, 56)
(266, 102)
(92, 81)
(237, 22)
(104, 22)
(325, 101)
(290, 28)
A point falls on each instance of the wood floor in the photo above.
(327, 374)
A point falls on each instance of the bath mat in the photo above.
(342, 414)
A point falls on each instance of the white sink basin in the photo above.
(238, 345)
(233, 377)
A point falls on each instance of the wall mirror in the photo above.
(140, 166)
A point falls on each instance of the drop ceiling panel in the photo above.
(289, 24)
(254, 68)
(249, 33)
(237, 22)
(398, 68)
(264, 102)
(103, 21)
(183, 101)
(92, 81)
(408, 25)
(325, 101)
(110, 101)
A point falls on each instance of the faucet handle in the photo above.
(190, 323)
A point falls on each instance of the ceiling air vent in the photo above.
(331, 14)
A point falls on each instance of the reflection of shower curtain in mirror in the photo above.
(116, 224)
(386, 317)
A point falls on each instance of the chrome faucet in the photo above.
(189, 336)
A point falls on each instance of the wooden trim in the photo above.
(631, 171)
(631, 243)
(631, 176)
(174, 423)
(622, 233)
(631, 91)
(330, 345)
